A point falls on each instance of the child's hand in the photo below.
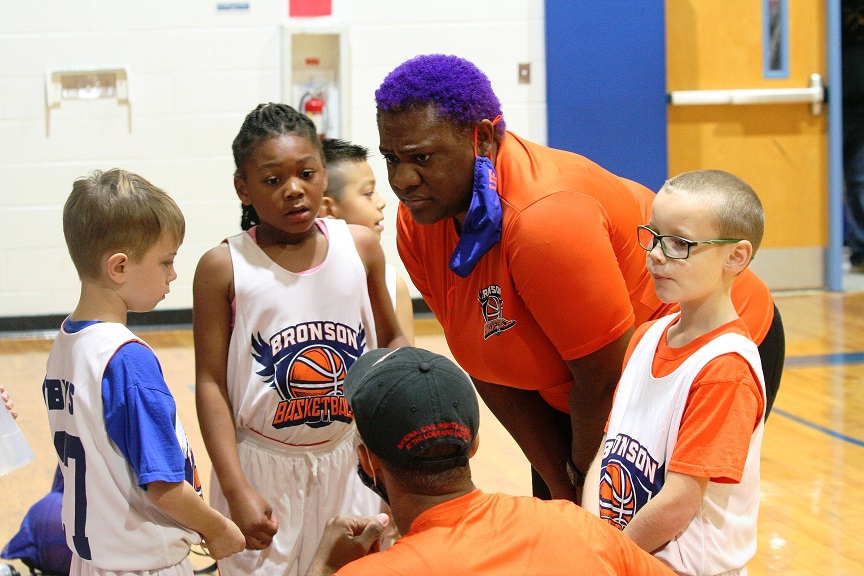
(225, 542)
(4, 395)
(255, 518)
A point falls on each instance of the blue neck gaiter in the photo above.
(482, 227)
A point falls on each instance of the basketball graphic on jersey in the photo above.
(492, 308)
(617, 496)
(316, 371)
(305, 364)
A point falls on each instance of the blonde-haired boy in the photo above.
(132, 500)
(678, 470)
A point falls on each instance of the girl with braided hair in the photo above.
(281, 311)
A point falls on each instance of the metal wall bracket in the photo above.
(64, 85)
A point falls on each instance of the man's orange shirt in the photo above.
(494, 534)
(567, 277)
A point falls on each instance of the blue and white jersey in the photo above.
(115, 428)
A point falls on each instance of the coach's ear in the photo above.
(366, 460)
(739, 257)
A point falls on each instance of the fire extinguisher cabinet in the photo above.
(315, 76)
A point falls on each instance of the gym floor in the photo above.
(812, 506)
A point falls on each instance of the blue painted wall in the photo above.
(606, 84)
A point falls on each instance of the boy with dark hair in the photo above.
(351, 196)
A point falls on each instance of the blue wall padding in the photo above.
(606, 84)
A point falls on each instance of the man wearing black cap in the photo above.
(418, 418)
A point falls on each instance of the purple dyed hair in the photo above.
(461, 92)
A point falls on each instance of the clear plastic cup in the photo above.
(15, 452)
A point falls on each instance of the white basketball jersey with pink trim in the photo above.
(294, 338)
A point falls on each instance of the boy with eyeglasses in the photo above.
(678, 470)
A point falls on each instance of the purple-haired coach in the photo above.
(528, 257)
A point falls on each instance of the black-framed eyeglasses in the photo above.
(674, 247)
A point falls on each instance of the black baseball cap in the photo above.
(408, 399)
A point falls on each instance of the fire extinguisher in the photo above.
(313, 106)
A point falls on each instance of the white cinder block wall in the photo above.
(194, 73)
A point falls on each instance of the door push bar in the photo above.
(815, 95)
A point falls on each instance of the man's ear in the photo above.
(366, 459)
(242, 192)
(329, 208)
(740, 256)
(116, 267)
